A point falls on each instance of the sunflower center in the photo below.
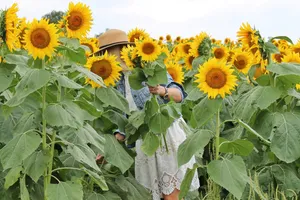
(219, 53)
(240, 62)
(148, 48)
(135, 36)
(186, 48)
(216, 78)
(278, 57)
(102, 68)
(40, 38)
(75, 20)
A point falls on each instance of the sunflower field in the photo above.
(59, 109)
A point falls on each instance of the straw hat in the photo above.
(111, 38)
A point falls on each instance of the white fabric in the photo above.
(160, 173)
(128, 95)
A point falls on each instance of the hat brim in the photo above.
(113, 44)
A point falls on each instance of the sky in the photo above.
(185, 18)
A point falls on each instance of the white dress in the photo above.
(160, 173)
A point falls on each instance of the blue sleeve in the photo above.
(172, 84)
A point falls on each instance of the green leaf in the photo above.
(239, 147)
(151, 108)
(83, 154)
(35, 164)
(23, 189)
(16, 60)
(204, 111)
(285, 141)
(116, 155)
(104, 196)
(99, 180)
(136, 78)
(6, 127)
(12, 176)
(134, 190)
(281, 38)
(137, 118)
(263, 80)
(6, 75)
(76, 112)
(294, 93)
(94, 77)
(19, 148)
(287, 177)
(195, 94)
(194, 143)
(230, 174)
(187, 181)
(264, 124)
(150, 144)
(258, 97)
(67, 83)
(25, 123)
(33, 80)
(64, 191)
(116, 118)
(284, 68)
(270, 47)
(112, 97)
(56, 115)
(160, 122)
(159, 77)
(89, 107)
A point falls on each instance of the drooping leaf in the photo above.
(76, 112)
(64, 191)
(151, 108)
(67, 83)
(12, 176)
(284, 68)
(194, 143)
(204, 111)
(16, 60)
(137, 118)
(83, 154)
(116, 118)
(19, 148)
(112, 97)
(281, 38)
(116, 155)
(270, 47)
(150, 144)
(285, 141)
(187, 181)
(136, 79)
(230, 174)
(134, 190)
(160, 122)
(239, 147)
(94, 77)
(36, 163)
(33, 80)
(159, 77)
(99, 180)
(25, 123)
(194, 95)
(6, 75)
(56, 115)
(104, 196)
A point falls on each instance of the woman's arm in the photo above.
(173, 93)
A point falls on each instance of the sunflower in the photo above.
(78, 20)
(227, 41)
(23, 25)
(220, 52)
(189, 62)
(277, 57)
(199, 45)
(41, 39)
(178, 39)
(126, 55)
(161, 38)
(184, 49)
(169, 38)
(246, 34)
(242, 61)
(91, 44)
(137, 34)
(216, 78)
(297, 86)
(291, 57)
(148, 49)
(11, 30)
(175, 71)
(261, 69)
(105, 66)
(296, 47)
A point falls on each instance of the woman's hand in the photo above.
(160, 90)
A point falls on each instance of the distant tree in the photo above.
(54, 16)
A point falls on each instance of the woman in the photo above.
(158, 173)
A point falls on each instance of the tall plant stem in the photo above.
(217, 140)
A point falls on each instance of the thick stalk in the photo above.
(217, 141)
(51, 155)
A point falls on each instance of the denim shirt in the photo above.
(142, 95)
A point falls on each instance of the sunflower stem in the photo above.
(270, 73)
(217, 141)
(44, 134)
(51, 155)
